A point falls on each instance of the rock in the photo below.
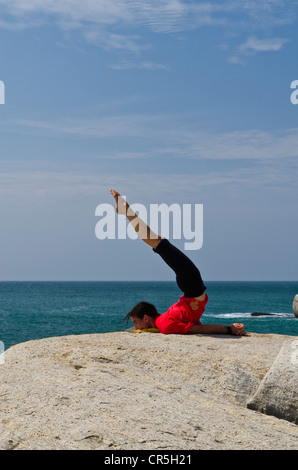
(147, 391)
(295, 306)
(277, 393)
(258, 314)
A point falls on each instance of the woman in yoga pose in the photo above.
(184, 316)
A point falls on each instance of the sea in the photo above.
(34, 310)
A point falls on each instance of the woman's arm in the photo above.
(217, 329)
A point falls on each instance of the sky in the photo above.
(166, 101)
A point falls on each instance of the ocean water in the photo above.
(33, 310)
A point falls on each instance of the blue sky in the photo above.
(167, 101)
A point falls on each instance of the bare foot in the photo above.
(238, 329)
(121, 204)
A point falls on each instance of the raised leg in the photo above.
(143, 231)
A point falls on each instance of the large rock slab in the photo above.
(277, 394)
(148, 391)
(295, 306)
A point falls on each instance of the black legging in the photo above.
(188, 277)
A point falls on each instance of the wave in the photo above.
(248, 314)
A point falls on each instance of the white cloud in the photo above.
(145, 65)
(107, 22)
(239, 145)
(158, 15)
(111, 127)
(112, 41)
(28, 185)
(254, 45)
(114, 25)
(122, 26)
(170, 135)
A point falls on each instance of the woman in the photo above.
(184, 316)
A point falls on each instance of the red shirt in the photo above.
(182, 316)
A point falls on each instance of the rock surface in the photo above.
(277, 393)
(147, 391)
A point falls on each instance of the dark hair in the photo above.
(141, 309)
